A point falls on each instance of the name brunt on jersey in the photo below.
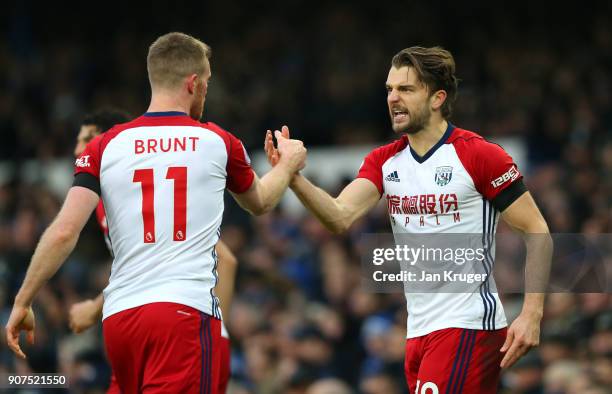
(162, 178)
(453, 188)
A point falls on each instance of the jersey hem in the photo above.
(471, 326)
(134, 304)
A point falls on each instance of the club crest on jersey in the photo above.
(444, 174)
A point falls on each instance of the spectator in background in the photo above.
(329, 386)
(546, 82)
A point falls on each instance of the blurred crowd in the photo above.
(300, 324)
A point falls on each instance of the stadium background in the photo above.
(533, 74)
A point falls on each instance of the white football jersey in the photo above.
(452, 189)
(162, 177)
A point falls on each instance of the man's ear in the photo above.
(437, 99)
(192, 83)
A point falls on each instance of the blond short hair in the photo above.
(174, 56)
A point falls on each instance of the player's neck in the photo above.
(163, 102)
(425, 139)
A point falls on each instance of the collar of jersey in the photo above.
(421, 159)
(165, 113)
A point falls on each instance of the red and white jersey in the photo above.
(455, 188)
(162, 177)
(101, 218)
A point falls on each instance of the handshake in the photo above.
(289, 153)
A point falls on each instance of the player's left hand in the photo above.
(523, 334)
(21, 319)
(83, 315)
(271, 151)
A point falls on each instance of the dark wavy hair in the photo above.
(106, 118)
(435, 67)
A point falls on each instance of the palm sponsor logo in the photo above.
(422, 204)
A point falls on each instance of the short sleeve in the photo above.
(89, 161)
(240, 175)
(371, 169)
(491, 168)
(87, 167)
(498, 172)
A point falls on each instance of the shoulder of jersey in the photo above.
(213, 126)
(471, 142)
(144, 121)
(459, 136)
(391, 149)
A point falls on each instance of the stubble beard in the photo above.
(417, 121)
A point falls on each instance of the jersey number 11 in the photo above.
(145, 178)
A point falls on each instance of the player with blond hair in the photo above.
(162, 177)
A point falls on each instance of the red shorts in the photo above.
(224, 371)
(114, 386)
(163, 348)
(454, 360)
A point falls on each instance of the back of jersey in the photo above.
(162, 179)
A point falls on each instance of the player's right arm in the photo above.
(56, 244)
(336, 214)
(265, 193)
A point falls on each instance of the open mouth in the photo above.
(399, 115)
